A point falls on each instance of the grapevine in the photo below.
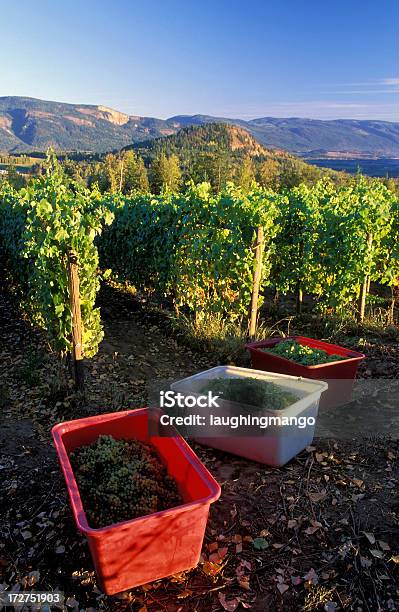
(38, 225)
(195, 247)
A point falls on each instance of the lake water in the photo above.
(371, 167)
(21, 169)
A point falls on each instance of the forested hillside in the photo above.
(30, 124)
(220, 152)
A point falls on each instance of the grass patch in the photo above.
(222, 338)
(29, 372)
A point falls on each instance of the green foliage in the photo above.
(165, 173)
(260, 543)
(135, 177)
(215, 153)
(29, 371)
(140, 244)
(246, 176)
(221, 337)
(121, 480)
(124, 173)
(38, 226)
(115, 173)
(295, 261)
(350, 215)
(15, 178)
(195, 247)
(269, 174)
(214, 261)
(305, 355)
(322, 244)
(222, 153)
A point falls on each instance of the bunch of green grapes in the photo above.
(300, 353)
(259, 394)
(122, 479)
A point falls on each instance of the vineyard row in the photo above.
(195, 247)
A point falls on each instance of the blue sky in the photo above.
(321, 59)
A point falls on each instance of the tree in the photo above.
(15, 178)
(269, 174)
(112, 172)
(74, 170)
(290, 172)
(165, 173)
(135, 176)
(246, 174)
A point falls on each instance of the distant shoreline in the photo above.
(379, 167)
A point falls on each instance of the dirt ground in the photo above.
(321, 533)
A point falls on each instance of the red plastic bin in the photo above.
(134, 552)
(340, 374)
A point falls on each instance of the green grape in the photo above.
(253, 392)
(131, 480)
(305, 355)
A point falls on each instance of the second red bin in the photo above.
(339, 374)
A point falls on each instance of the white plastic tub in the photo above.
(278, 443)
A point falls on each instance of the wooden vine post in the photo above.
(394, 300)
(258, 249)
(74, 300)
(299, 290)
(364, 289)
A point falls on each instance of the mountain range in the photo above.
(30, 124)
